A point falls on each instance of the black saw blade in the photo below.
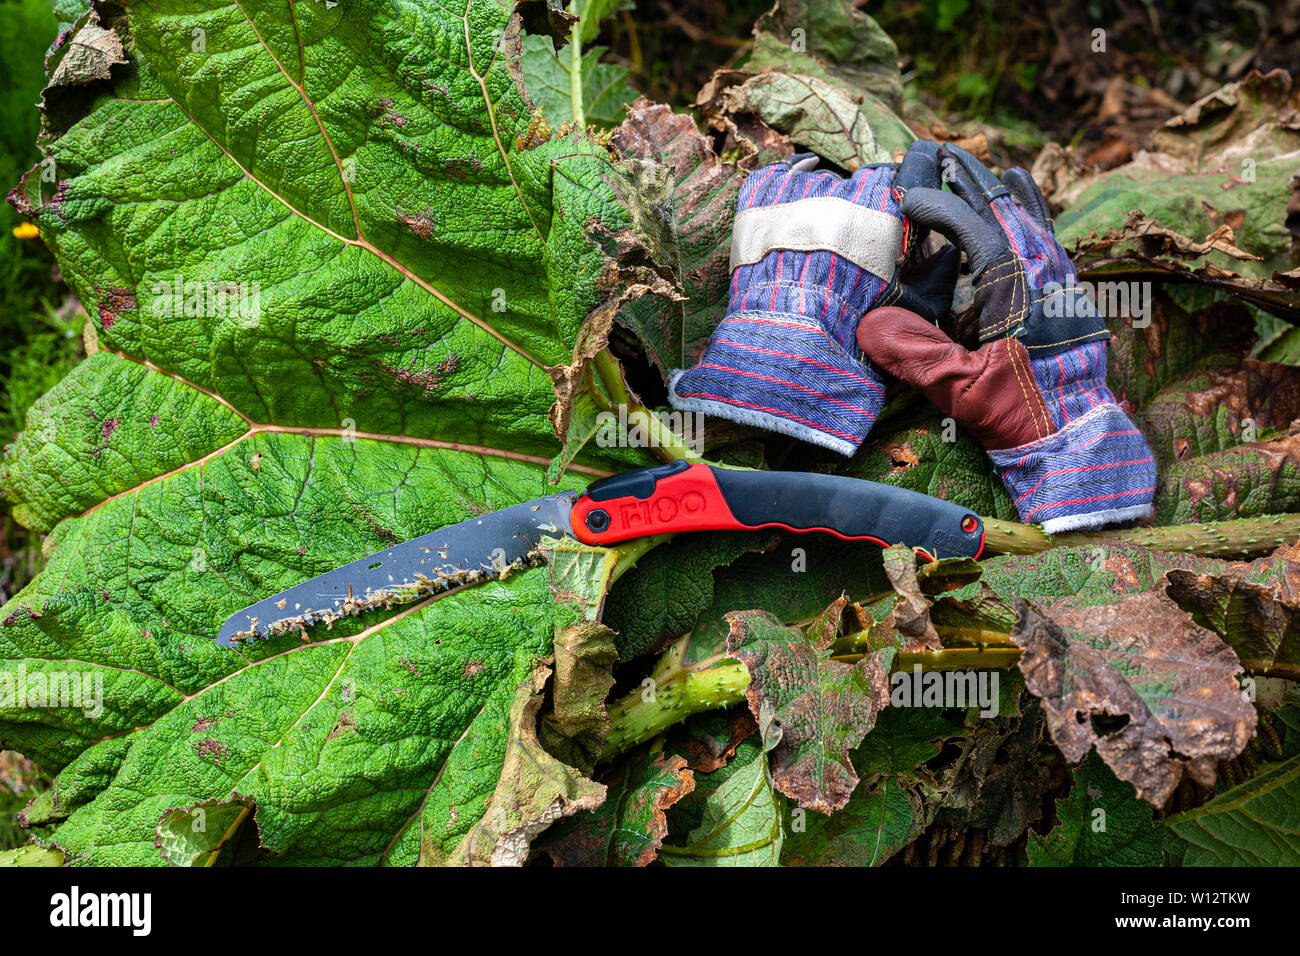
(451, 557)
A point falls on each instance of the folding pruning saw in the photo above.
(657, 500)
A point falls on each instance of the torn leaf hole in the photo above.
(1103, 725)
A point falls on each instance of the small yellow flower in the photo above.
(27, 230)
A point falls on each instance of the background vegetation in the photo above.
(1010, 82)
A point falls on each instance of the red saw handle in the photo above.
(683, 497)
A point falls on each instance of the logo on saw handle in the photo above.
(673, 497)
(660, 510)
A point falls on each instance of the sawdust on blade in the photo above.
(408, 592)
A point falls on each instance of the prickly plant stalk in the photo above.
(1239, 538)
(651, 710)
(680, 692)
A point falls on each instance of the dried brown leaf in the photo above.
(630, 826)
(910, 616)
(701, 194)
(1138, 679)
(534, 791)
(820, 708)
(1255, 607)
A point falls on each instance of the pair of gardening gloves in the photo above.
(822, 267)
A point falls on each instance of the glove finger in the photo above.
(803, 162)
(954, 218)
(1031, 198)
(930, 283)
(911, 349)
(920, 167)
(980, 390)
(972, 181)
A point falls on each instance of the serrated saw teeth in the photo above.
(405, 593)
(506, 540)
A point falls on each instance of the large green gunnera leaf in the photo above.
(1253, 824)
(1100, 824)
(337, 279)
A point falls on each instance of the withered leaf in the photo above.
(1153, 691)
(910, 616)
(996, 781)
(827, 625)
(584, 660)
(1206, 199)
(1208, 409)
(1255, 607)
(630, 826)
(701, 199)
(88, 55)
(843, 45)
(821, 708)
(1175, 341)
(834, 122)
(1261, 478)
(711, 739)
(1157, 241)
(534, 791)
(894, 802)
(730, 113)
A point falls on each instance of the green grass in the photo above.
(20, 783)
(35, 350)
(39, 334)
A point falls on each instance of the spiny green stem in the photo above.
(721, 681)
(575, 68)
(1009, 537)
(959, 659)
(1269, 669)
(629, 552)
(950, 636)
(1238, 537)
(859, 642)
(31, 855)
(652, 709)
(611, 376)
(677, 692)
(589, 384)
(663, 441)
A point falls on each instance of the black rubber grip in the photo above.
(851, 508)
(640, 483)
